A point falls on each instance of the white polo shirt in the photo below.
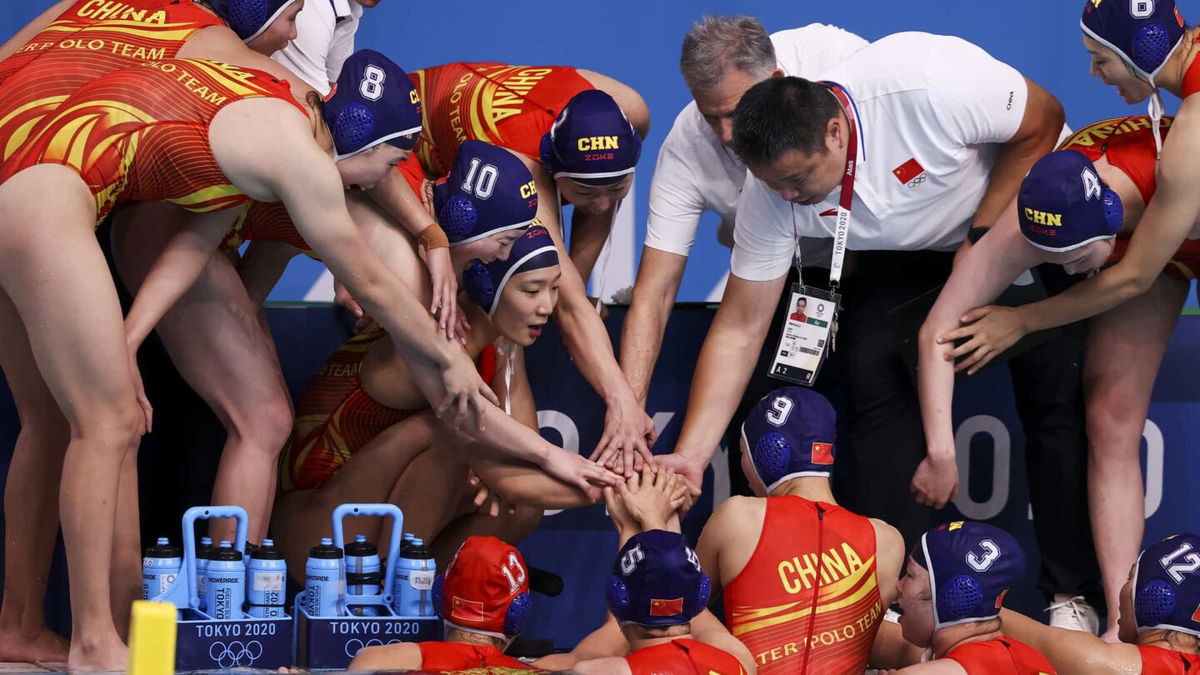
(931, 111)
(324, 40)
(695, 173)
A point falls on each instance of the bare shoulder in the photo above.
(888, 542)
(631, 102)
(739, 511)
(401, 656)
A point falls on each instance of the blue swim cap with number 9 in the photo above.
(374, 102)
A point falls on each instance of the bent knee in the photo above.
(265, 428)
(118, 426)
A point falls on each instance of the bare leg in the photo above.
(1125, 347)
(238, 375)
(55, 274)
(511, 527)
(302, 517)
(30, 500)
(126, 577)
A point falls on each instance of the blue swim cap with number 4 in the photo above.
(1143, 32)
(373, 102)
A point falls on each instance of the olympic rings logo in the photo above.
(353, 646)
(236, 654)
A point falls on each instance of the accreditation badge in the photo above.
(809, 328)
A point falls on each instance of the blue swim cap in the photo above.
(1143, 32)
(790, 432)
(1063, 204)
(488, 190)
(485, 283)
(249, 18)
(657, 581)
(374, 102)
(971, 567)
(1166, 590)
(591, 141)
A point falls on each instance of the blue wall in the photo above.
(638, 42)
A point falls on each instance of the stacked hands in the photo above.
(649, 500)
(985, 332)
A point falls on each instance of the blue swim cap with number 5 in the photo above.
(374, 102)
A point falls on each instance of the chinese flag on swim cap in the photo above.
(482, 580)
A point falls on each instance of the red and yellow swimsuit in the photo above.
(1003, 656)
(1128, 144)
(1161, 661)
(460, 657)
(769, 605)
(684, 655)
(336, 417)
(141, 134)
(266, 221)
(91, 39)
(508, 106)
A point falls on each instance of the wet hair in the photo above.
(781, 114)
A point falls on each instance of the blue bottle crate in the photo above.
(205, 643)
(331, 642)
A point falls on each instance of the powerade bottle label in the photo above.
(422, 581)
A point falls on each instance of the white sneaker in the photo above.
(1073, 613)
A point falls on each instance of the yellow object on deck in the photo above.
(152, 639)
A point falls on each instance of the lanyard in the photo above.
(846, 198)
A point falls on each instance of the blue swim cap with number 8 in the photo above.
(374, 102)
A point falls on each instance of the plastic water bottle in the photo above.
(412, 589)
(160, 568)
(203, 553)
(363, 576)
(225, 591)
(267, 574)
(324, 580)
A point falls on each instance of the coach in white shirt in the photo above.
(945, 134)
(723, 56)
(325, 32)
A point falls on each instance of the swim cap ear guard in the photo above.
(518, 614)
(971, 566)
(478, 283)
(458, 217)
(1166, 591)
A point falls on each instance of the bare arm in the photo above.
(174, 272)
(34, 27)
(1165, 224)
(262, 266)
(722, 530)
(723, 369)
(658, 278)
(707, 629)
(588, 233)
(626, 424)
(261, 145)
(520, 483)
(395, 198)
(1071, 651)
(982, 273)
